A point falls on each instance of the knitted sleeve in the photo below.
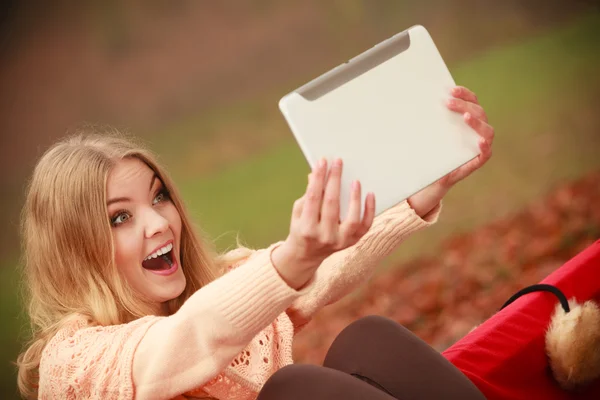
(163, 357)
(345, 270)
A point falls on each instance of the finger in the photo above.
(369, 215)
(467, 169)
(330, 211)
(314, 193)
(484, 130)
(486, 152)
(462, 107)
(352, 221)
(476, 163)
(461, 92)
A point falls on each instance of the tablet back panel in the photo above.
(384, 114)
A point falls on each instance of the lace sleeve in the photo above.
(269, 351)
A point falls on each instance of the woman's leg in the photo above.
(390, 357)
(312, 382)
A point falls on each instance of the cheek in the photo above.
(128, 248)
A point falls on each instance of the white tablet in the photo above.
(384, 113)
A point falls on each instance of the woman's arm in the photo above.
(184, 351)
(161, 357)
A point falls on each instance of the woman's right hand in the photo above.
(315, 230)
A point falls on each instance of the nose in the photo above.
(155, 223)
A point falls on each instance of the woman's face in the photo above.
(146, 230)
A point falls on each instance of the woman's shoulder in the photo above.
(70, 326)
(79, 333)
(86, 358)
(81, 350)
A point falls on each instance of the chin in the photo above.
(170, 292)
(175, 292)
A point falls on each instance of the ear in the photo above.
(573, 344)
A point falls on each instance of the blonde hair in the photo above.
(69, 270)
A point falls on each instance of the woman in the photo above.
(126, 301)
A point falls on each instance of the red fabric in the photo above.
(505, 355)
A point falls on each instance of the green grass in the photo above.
(542, 97)
(254, 199)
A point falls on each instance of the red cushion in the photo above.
(505, 355)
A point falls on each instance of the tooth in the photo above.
(160, 252)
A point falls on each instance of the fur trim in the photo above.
(573, 344)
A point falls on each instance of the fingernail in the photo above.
(338, 162)
(354, 185)
(450, 102)
(322, 163)
(467, 116)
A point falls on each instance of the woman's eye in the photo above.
(120, 218)
(161, 196)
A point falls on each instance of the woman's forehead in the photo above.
(128, 174)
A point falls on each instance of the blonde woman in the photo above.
(126, 301)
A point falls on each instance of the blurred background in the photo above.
(199, 81)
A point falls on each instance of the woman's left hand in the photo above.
(465, 102)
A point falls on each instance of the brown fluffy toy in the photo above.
(573, 344)
(572, 339)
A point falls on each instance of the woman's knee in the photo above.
(366, 339)
(369, 327)
(371, 322)
(290, 379)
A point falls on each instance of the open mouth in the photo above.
(161, 260)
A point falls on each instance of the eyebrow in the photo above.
(124, 199)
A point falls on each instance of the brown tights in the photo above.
(373, 358)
